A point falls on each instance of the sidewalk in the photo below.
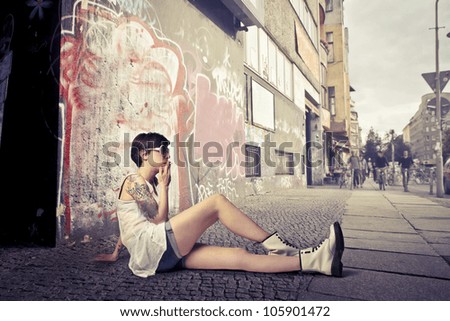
(396, 246)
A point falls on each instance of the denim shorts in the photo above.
(171, 259)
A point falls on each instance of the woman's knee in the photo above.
(217, 200)
(240, 258)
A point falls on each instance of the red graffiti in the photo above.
(117, 78)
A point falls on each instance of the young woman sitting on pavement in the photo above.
(157, 243)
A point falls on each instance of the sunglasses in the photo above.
(163, 150)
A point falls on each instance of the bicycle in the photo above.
(420, 176)
(392, 178)
(343, 180)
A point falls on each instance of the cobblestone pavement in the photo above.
(67, 272)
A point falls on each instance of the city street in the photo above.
(397, 248)
(133, 110)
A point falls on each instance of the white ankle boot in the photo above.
(276, 245)
(326, 257)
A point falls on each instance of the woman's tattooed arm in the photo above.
(141, 193)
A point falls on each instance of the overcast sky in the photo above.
(390, 46)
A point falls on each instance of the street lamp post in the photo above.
(392, 133)
(439, 160)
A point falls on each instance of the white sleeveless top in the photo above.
(144, 240)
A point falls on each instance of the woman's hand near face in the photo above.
(164, 175)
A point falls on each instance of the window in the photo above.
(330, 47)
(299, 88)
(306, 18)
(287, 77)
(284, 163)
(247, 94)
(328, 5)
(323, 74)
(332, 100)
(323, 90)
(272, 62)
(267, 60)
(323, 97)
(263, 55)
(306, 21)
(280, 71)
(297, 4)
(252, 161)
(251, 47)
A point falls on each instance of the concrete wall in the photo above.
(137, 66)
(282, 23)
(285, 27)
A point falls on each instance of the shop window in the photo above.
(284, 163)
(252, 161)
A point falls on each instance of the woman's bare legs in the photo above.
(189, 225)
(220, 258)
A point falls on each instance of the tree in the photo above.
(399, 147)
(373, 143)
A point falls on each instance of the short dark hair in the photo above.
(145, 141)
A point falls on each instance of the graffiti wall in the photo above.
(132, 66)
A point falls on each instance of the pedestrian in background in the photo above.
(157, 243)
(369, 167)
(364, 169)
(355, 166)
(406, 162)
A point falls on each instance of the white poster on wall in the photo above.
(263, 106)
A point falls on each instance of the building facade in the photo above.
(355, 132)
(282, 67)
(422, 128)
(235, 85)
(338, 83)
(407, 134)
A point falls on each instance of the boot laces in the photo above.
(312, 249)
(286, 242)
(315, 248)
